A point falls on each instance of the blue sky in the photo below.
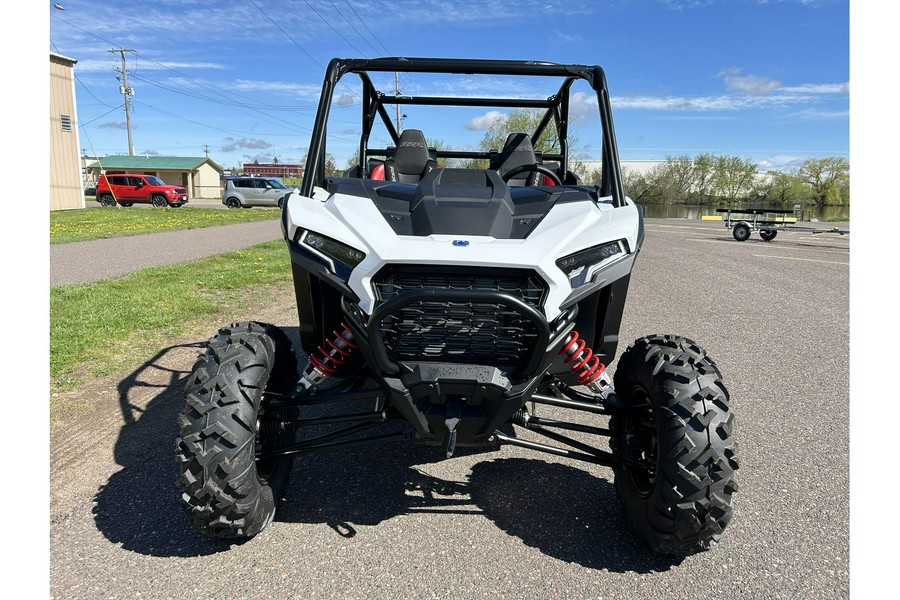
(760, 79)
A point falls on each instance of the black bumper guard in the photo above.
(528, 365)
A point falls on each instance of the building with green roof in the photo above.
(199, 175)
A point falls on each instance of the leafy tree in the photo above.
(518, 121)
(829, 178)
(785, 188)
(638, 186)
(733, 177)
(704, 168)
(331, 168)
(679, 173)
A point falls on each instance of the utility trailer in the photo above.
(767, 221)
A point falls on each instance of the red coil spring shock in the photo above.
(324, 362)
(582, 360)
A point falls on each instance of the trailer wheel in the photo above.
(680, 430)
(741, 232)
(768, 234)
(226, 490)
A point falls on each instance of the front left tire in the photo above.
(678, 432)
(227, 490)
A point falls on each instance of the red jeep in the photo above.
(127, 189)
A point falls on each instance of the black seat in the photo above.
(518, 151)
(411, 160)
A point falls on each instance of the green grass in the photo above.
(112, 325)
(101, 222)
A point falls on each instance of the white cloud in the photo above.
(484, 122)
(303, 90)
(232, 144)
(582, 108)
(724, 102)
(818, 88)
(748, 84)
(344, 100)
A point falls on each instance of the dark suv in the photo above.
(246, 192)
(128, 189)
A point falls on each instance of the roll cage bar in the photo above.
(556, 109)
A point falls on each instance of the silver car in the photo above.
(247, 192)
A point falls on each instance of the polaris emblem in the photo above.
(460, 242)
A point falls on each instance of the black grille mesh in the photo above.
(470, 332)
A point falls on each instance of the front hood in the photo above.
(565, 228)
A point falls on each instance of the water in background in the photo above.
(683, 211)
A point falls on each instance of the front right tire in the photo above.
(680, 429)
(228, 491)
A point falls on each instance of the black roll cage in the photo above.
(373, 104)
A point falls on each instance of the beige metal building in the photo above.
(66, 186)
(201, 177)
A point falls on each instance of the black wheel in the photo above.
(159, 201)
(227, 491)
(680, 431)
(233, 203)
(768, 234)
(741, 232)
(106, 200)
(126, 204)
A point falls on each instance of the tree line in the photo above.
(721, 179)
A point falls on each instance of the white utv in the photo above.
(445, 305)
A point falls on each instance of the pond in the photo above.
(684, 211)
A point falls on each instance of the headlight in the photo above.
(339, 256)
(577, 267)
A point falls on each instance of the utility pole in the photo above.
(206, 150)
(126, 91)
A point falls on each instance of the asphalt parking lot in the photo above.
(395, 522)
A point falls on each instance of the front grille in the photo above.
(468, 332)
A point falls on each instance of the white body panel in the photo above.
(566, 229)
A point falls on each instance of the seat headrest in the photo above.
(517, 151)
(412, 154)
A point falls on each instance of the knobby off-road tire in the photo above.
(227, 492)
(682, 428)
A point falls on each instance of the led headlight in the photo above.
(340, 257)
(577, 267)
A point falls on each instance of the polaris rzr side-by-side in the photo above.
(445, 296)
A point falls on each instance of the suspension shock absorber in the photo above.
(328, 357)
(585, 364)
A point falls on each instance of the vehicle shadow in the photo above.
(557, 508)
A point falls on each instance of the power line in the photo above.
(375, 37)
(324, 20)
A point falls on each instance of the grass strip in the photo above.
(105, 222)
(111, 325)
